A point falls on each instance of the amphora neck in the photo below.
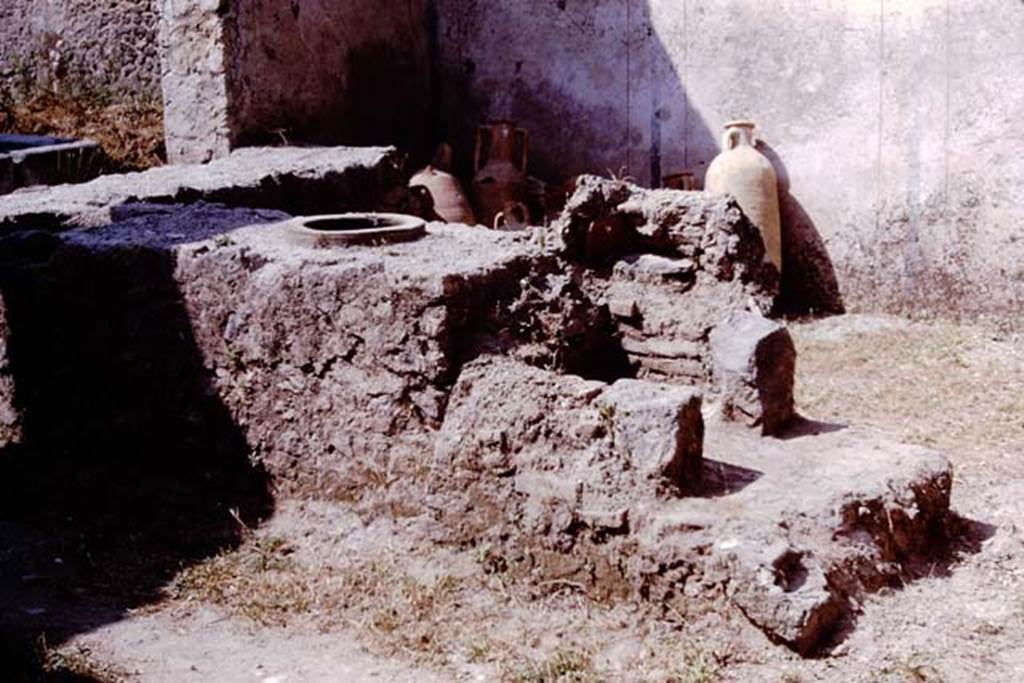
(738, 133)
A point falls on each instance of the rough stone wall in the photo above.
(336, 71)
(891, 123)
(317, 71)
(82, 44)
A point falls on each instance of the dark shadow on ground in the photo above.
(960, 538)
(799, 427)
(128, 467)
(722, 479)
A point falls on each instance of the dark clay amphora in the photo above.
(502, 153)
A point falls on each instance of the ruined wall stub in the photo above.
(197, 118)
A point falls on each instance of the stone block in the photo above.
(754, 362)
(553, 451)
(660, 427)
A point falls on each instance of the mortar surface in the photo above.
(311, 179)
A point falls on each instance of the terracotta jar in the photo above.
(746, 174)
(502, 153)
(513, 216)
(450, 202)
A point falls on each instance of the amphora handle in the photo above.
(731, 139)
(734, 134)
(523, 136)
(481, 133)
(516, 211)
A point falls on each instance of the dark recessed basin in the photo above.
(354, 228)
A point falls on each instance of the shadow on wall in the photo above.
(332, 72)
(592, 82)
(128, 468)
(597, 86)
(809, 284)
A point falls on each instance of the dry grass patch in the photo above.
(436, 619)
(130, 129)
(263, 582)
(952, 387)
(697, 667)
(562, 666)
(257, 581)
(911, 669)
(75, 664)
(441, 608)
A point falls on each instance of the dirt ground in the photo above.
(320, 594)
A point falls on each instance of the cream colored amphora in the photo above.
(746, 174)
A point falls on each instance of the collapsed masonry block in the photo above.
(754, 362)
(561, 450)
(660, 427)
(785, 590)
(671, 266)
(506, 415)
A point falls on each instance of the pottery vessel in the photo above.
(746, 174)
(345, 229)
(450, 202)
(513, 216)
(502, 154)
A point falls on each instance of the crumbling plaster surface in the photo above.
(76, 44)
(892, 123)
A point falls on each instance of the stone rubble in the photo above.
(613, 488)
(753, 365)
(538, 393)
(673, 268)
